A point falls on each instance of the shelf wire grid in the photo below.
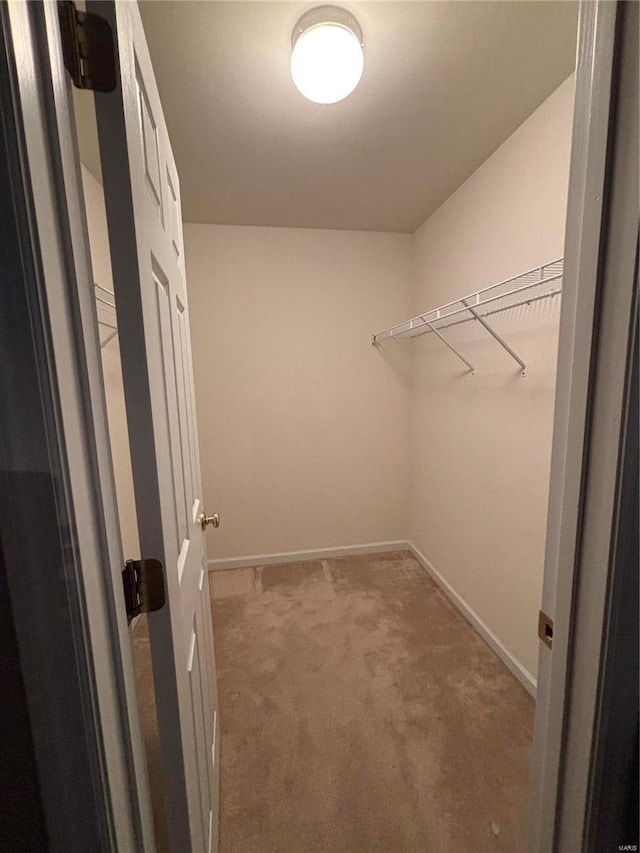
(539, 283)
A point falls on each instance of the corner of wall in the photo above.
(507, 217)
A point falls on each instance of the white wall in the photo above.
(480, 446)
(304, 426)
(312, 438)
(112, 371)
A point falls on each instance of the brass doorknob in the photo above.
(213, 520)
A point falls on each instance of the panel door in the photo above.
(145, 231)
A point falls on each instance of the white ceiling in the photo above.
(444, 84)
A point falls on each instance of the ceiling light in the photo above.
(326, 58)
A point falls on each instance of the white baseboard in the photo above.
(300, 556)
(523, 675)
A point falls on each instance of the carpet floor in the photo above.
(360, 713)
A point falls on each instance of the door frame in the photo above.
(594, 366)
(107, 760)
(71, 623)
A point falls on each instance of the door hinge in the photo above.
(87, 48)
(545, 629)
(143, 582)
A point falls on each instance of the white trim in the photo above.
(553, 824)
(513, 665)
(92, 623)
(301, 556)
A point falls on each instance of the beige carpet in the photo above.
(360, 712)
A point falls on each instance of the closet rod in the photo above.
(537, 277)
(534, 284)
(528, 301)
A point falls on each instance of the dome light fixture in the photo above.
(327, 59)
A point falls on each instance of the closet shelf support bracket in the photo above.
(472, 369)
(109, 338)
(495, 335)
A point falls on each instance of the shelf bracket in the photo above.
(472, 369)
(108, 338)
(497, 337)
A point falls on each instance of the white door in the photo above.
(145, 234)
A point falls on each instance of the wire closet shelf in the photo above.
(106, 312)
(541, 282)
